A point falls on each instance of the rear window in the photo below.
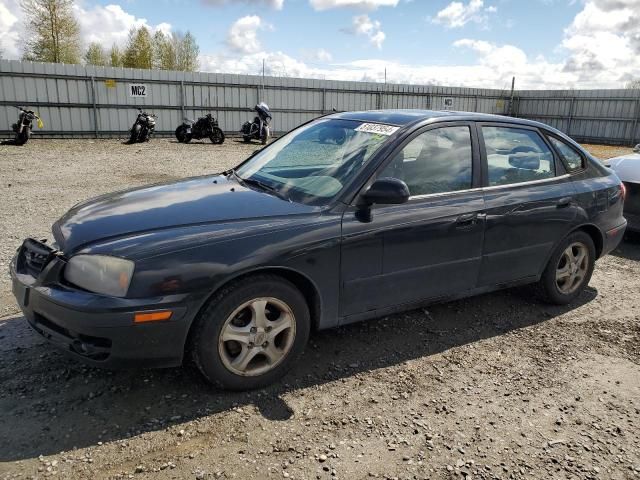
(516, 155)
(572, 159)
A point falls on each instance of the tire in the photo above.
(217, 136)
(232, 311)
(561, 282)
(181, 133)
(264, 138)
(23, 137)
(135, 134)
(246, 138)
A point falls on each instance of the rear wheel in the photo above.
(217, 136)
(251, 333)
(569, 269)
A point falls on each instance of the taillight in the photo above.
(624, 190)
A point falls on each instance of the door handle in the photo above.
(467, 220)
(564, 202)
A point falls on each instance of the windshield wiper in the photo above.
(261, 185)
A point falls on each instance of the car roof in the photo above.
(406, 117)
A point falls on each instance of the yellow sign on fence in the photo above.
(110, 83)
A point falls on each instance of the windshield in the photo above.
(313, 163)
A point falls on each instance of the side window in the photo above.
(436, 161)
(572, 159)
(516, 155)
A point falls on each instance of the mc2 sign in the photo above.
(137, 90)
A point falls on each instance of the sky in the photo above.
(474, 43)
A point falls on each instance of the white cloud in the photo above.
(603, 43)
(457, 14)
(9, 29)
(372, 29)
(243, 34)
(322, 55)
(275, 4)
(110, 24)
(362, 4)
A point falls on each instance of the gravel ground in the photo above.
(497, 386)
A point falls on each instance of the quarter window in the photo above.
(516, 155)
(572, 159)
(436, 161)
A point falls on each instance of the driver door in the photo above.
(427, 248)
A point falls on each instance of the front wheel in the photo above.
(135, 133)
(217, 136)
(569, 269)
(23, 137)
(264, 138)
(251, 333)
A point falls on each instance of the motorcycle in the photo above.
(204, 127)
(143, 127)
(23, 127)
(259, 128)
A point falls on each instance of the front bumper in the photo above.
(100, 330)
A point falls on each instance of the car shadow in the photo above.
(629, 248)
(52, 403)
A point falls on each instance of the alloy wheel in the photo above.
(257, 336)
(572, 268)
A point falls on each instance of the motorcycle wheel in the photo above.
(246, 138)
(23, 137)
(135, 134)
(181, 133)
(217, 136)
(264, 138)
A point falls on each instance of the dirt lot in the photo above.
(498, 386)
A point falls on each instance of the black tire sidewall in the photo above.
(548, 280)
(211, 320)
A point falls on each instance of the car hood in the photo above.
(627, 167)
(194, 201)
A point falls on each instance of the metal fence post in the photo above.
(95, 109)
(182, 98)
(634, 128)
(573, 99)
(324, 100)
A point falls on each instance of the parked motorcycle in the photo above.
(23, 127)
(204, 127)
(143, 127)
(259, 128)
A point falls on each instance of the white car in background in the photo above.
(627, 167)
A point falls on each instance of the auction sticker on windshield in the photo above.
(378, 128)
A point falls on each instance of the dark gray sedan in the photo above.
(348, 217)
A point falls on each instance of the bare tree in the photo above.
(53, 32)
(633, 84)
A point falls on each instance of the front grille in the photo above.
(632, 200)
(34, 256)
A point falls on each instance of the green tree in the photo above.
(95, 55)
(139, 50)
(115, 56)
(53, 32)
(187, 52)
(164, 51)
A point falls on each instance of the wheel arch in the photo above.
(596, 235)
(302, 282)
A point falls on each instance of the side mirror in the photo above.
(387, 191)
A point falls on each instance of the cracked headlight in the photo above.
(100, 274)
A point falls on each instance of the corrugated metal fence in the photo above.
(74, 100)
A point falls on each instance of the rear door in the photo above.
(529, 201)
(430, 246)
